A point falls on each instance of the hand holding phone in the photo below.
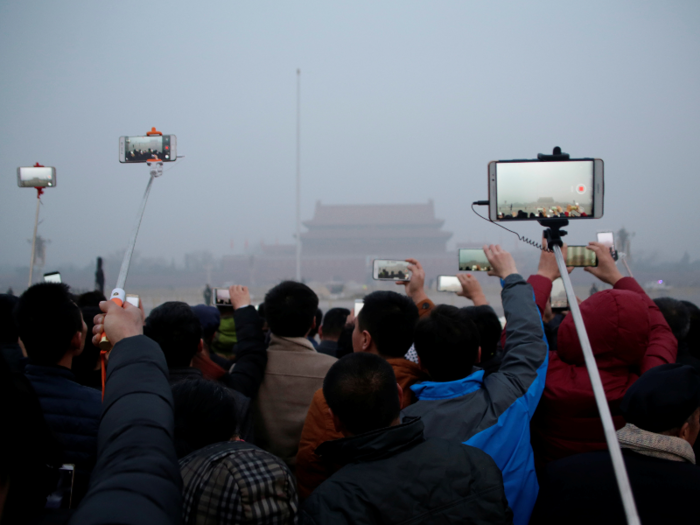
(117, 322)
(239, 296)
(471, 289)
(414, 287)
(606, 270)
(501, 261)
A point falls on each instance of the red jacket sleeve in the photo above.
(663, 346)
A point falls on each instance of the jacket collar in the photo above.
(55, 370)
(428, 390)
(371, 446)
(293, 344)
(187, 371)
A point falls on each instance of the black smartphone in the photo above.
(580, 256)
(222, 297)
(473, 261)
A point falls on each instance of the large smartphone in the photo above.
(33, 177)
(386, 270)
(448, 283)
(608, 239)
(473, 261)
(222, 297)
(532, 190)
(52, 277)
(143, 149)
(359, 303)
(580, 256)
(558, 296)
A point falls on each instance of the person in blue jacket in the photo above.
(490, 412)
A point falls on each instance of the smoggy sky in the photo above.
(402, 101)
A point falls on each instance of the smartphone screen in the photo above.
(607, 239)
(526, 190)
(473, 261)
(448, 283)
(52, 277)
(133, 299)
(32, 177)
(222, 297)
(385, 270)
(580, 256)
(359, 303)
(558, 296)
(142, 149)
(62, 496)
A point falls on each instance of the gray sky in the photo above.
(402, 101)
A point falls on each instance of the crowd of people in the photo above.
(408, 412)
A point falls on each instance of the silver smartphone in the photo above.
(133, 299)
(529, 190)
(387, 270)
(473, 261)
(36, 177)
(448, 283)
(608, 239)
(359, 303)
(558, 295)
(222, 297)
(145, 148)
(52, 277)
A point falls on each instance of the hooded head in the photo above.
(617, 322)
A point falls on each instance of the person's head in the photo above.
(318, 319)
(290, 309)
(91, 299)
(447, 343)
(175, 327)
(86, 363)
(676, 315)
(205, 413)
(345, 341)
(665, 400)
(8, 327)
(692, 338)
(385, 325)
(333, 323)
(209, 319)
(488, 326)
(362, 393)
(49, 323)
(233, 483)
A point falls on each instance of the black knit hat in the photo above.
(662, 398)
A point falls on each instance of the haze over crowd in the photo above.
(400, 102)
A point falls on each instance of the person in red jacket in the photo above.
(628, 335)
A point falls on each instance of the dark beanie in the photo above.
(662, 398)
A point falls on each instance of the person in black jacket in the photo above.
(136, 479)
(391, 473)
(663, 421)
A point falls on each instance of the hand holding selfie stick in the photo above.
(553, 235)
(39, 192)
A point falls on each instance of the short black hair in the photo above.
(692, 338)
(8, 326)
(205, 413)
(447, 343)
(83, 365)
(389, 318)
(361, 390)
(345, 341)
(290, 308)
(489, 327)
(175, 327)
(676, 315)
(334, 321)
(319, 320)
(47, 319)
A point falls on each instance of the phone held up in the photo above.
(386, 270)
(133, 299)
(143, 149)
(580, 257)
(532, 190)
(473, 261)
(52, 277)
(448, 283)
(222, 297)
(359, 303)
(558, 296)
(608, 239)
(36, 177)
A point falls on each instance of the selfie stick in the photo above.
(39, 191)
(553, 235)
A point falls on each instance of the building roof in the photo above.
(363, 215)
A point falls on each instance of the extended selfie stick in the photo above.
(553, 235)
(39, 191)
(118, 294)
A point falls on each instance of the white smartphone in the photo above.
(359, 303)
(448, 283)
(133, 299)
(529, 190)
(36, 177)
(558, 296)
(608, 239)
(473, 261)
(143, 149)
(52, 277)
(222, 297)
(387, 270)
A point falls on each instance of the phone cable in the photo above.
(520, 237)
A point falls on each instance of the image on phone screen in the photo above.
(52, 277)
(448, 283)
(386, 270)
(473, 261)
(580, 256)
(222, 297)
(606, 238)
(558, 296)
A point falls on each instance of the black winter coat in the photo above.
(582, 489)
(137, 478)
(393, 475)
